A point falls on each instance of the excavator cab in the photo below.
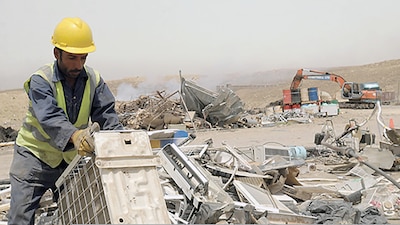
(351, 90)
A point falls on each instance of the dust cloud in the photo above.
(171, 83)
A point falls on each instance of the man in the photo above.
(64, 96)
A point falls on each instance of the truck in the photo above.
(356, 95)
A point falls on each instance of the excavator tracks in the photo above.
(356, 105)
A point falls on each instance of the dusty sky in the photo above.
(214, 38)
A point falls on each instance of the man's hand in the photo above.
(83, 139)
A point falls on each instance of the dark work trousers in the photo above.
(30, 178)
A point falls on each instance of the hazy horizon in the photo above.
(214, 39)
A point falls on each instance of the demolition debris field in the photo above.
(325, 177)
(14, 106)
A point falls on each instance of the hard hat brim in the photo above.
(78, 50)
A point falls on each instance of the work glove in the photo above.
(83, 139)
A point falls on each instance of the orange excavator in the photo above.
(358, 95)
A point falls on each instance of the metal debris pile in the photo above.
(269, 184)
(337, 182)
(198, 108)
(151, 112)
(265, 185)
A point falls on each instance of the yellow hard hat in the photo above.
(73, 35)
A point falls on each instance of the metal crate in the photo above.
(120, 185)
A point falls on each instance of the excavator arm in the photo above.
(315, 75)
(297, 80)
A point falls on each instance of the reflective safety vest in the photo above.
(33, 137)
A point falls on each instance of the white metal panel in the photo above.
(130, 179)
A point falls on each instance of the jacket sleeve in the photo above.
(52, 118)
(103, 108)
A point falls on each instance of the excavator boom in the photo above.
(317, 75)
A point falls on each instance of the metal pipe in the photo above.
(378, 118)
(350, 152)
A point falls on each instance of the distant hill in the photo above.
(386, 73)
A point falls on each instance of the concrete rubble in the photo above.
(342, 180)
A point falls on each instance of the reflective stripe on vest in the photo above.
(33, 137)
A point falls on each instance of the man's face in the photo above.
(70, 64)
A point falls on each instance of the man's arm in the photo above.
(103, 108)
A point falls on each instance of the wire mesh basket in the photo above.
(120, 185)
